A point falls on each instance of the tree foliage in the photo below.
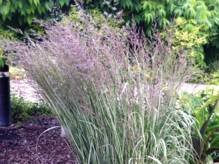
(21, 12)
(162, 12)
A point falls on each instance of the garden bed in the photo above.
(20, 143)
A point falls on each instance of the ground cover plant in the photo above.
(23, 110)
(1, 58)
(205, 109)
(114, 93)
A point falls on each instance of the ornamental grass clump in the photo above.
(115, 94)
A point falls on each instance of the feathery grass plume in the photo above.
(115, 94)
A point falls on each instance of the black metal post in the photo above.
(5, 106)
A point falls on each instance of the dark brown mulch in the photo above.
(18, 143)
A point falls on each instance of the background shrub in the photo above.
(190, 36)
(22, 12)
(23, 110)
(200, 19)
(205, 108)
(161, 12)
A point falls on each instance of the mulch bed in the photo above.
(21, 144)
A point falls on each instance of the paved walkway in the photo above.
(195, 88)
(28, 89)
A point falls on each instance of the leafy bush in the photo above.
(98, 19)
(117, 106)
(6, 33)
(215, 78)
(200, 21)
(205, 108)
(188, 33)
(161, 12)
(22, 110)
(22, 12)
(190, 36)
(1, 58)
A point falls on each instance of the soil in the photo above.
(25, 143)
